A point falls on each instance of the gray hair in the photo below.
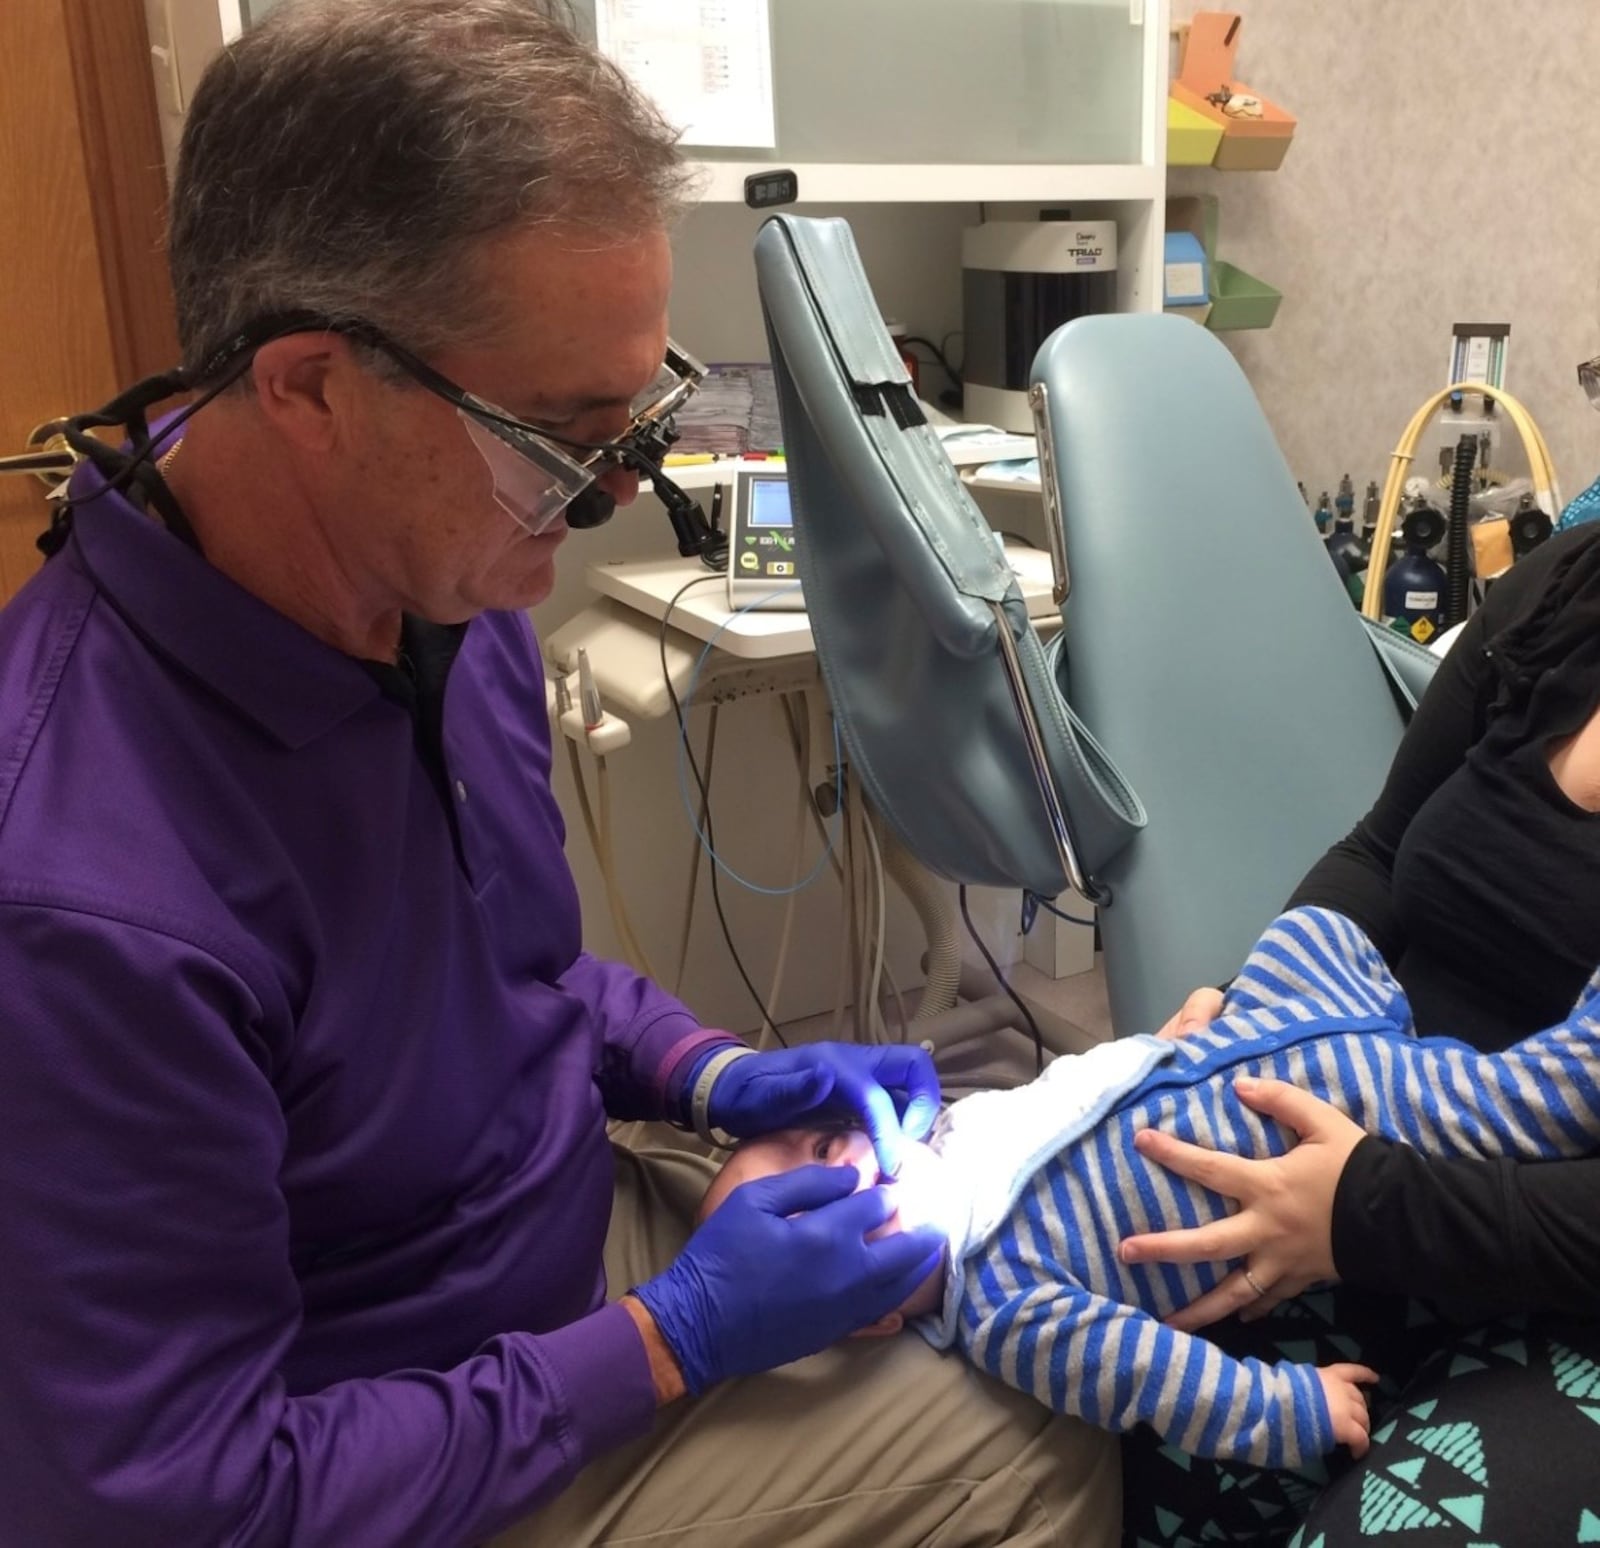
(349, 157)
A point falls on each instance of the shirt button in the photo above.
(461, 791)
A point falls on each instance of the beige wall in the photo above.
(1446, 168)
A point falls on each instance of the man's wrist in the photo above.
(705, 1081)
(665, 1374)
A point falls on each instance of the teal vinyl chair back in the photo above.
(1212, 648)
(944, 695)
(1207, 640)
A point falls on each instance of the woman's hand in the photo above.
(1284, 1226)
(1199, 1010)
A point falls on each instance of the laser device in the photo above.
(761, 541)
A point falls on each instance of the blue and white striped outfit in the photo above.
(1037, 1296)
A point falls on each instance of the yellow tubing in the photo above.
(1545, 489)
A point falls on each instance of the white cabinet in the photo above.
(1019, 103)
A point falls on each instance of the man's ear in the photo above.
(302, 381)
(884, 1327)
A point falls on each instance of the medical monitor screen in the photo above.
(769, 503)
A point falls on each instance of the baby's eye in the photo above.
(820, 1147)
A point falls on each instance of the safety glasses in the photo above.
(1589, 380)
(539, 476)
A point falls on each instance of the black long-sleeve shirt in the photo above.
(1476, 877)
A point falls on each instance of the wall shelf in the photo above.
(928, 183)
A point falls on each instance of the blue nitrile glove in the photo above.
(785, 1090)
(782, 1270)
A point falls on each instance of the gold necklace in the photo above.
(164, 463)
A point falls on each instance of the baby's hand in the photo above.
(1352, 1424)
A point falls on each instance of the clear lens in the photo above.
(534, 481)
(665, 383)
(674, 384)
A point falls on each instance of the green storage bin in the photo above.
(1240, 300)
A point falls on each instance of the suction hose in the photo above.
(1457, 583)
(1546, 492)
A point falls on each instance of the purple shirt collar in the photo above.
(292, 685)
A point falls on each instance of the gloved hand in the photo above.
(783, 1090)
(782, 1270)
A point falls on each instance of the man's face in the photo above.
(585, 330)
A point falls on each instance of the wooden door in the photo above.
(85, 303)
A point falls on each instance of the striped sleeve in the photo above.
(1115, 1366)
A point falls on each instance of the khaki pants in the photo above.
(879, 1443)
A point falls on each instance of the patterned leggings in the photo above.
(1482, 1438)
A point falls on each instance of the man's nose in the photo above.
(622, 484)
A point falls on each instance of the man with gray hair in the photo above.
(306, 1188)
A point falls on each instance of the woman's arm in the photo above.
(1479, 1237)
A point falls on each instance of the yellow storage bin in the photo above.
(1192, 138)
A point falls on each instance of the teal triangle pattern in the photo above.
(1167, 1521)
(1348, 1347)
(1298, 1540)
(1475, 1338)
(1460, 1444)
(1463, 1364)
(1266, 1509)
(1418, 1315)
(1593, 1413)
(1409, 1471)
(1182, 1458)
(1385, 1508)
(1299, 1351)
(1467, 1508)
(1213, 1533)
(1424, 1410)
(1576, 1376)
(1589, 1528)
(1380, 1436)
(1225, 1482)
(1516, 1350)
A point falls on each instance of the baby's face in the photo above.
(785, 1151)
(788, 1149)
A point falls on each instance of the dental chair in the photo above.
(1242, 714)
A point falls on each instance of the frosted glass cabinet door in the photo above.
(1004, 82)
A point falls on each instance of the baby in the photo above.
(1034, 1188)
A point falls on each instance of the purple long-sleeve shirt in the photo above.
(303, 1171)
